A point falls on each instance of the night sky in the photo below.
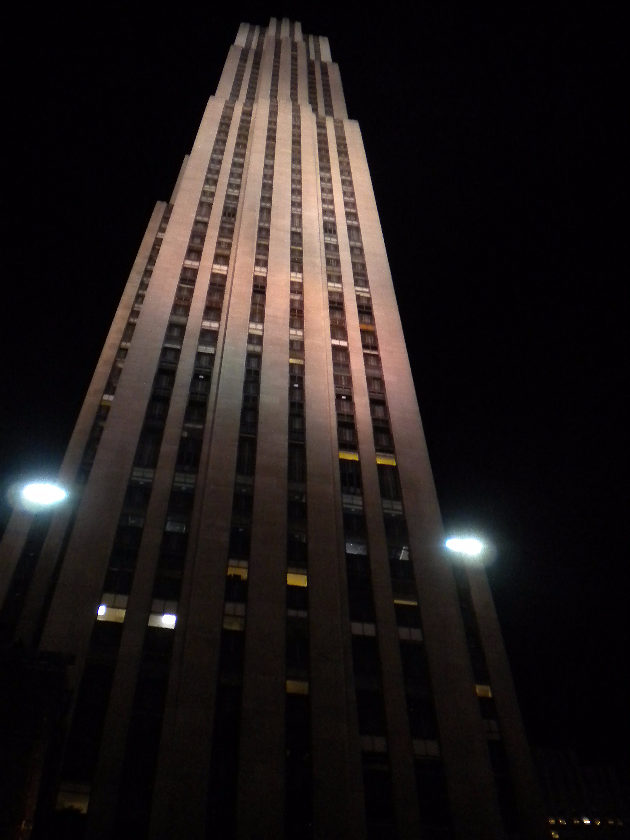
(492, 143)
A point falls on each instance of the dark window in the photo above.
(422, 722)
(414, 665)
(240, 537)
(246, 456)
(297, 656)
(350, 472)
(379, 805)
(371, 712)
(432, 795)
(296, 549)
(189, 453)
(297, 463)
(148, 449)
(297, 597)
(389, 482)
(365, 656)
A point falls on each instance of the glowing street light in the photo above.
(465, 546)
(43, 493)
(36, 496)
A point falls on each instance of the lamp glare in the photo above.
(43, 493)
(469, 546)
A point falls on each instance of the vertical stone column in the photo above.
(261, 755)
(338, 793)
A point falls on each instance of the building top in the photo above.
(317, 46)
(280, 62)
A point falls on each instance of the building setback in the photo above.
(260, 632)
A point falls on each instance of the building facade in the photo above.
(261, 634)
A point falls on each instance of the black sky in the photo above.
(492, 143)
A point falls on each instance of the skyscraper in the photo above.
(263, 635)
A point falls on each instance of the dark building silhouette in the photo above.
(247, 593)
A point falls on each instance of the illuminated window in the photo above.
(297, 578)
(113, 607)
(483, 691)
(238, 568)
(76, 797)
(163, 614)
(297, 687)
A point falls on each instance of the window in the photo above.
(175, 333)
(346, 434)
(371, 712)
(189, 453)
(432, 794)
(296, 549)
(240, 537)
(350, 473)
(296, 426)
(344, 405)
(341, 357)
(297, 463)
(414, 666)
(246, 456)
(365, 662)
(297, 649)
(148, 448)
(200, 385)
(389, 482)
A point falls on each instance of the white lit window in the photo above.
(113, 607)
(163, 614)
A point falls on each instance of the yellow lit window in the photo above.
(73, 796)
(297, 687)
(348, 456)
(388, 460)
(297, 579)
(238, 568)
(483, 691)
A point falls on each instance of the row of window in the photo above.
(366, 663)
(102, 412)
(221, 815)
(152, 680)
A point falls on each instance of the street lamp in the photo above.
(37, 496)
(466, 546)
(43, 493)
(469, 548)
